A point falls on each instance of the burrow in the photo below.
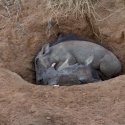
(18, 50)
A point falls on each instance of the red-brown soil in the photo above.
(21, 38)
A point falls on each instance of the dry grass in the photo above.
(78, 9)
(68, 8)
(5, 4)
(64, 8)
(75, 7)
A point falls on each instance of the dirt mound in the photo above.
(92, 104)
(24, 27)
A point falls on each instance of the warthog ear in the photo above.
(45, 49)
(89, 60)
(36, 64)
(64, 65)
(59, 36)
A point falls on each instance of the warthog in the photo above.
(77, 51)
(71, 74)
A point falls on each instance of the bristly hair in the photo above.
(72, 37)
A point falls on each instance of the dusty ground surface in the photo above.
(93, 104)
(24, 28)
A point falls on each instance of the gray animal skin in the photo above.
(77, 52)
(71, 74)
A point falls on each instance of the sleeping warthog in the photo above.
(71, 74)
(77, 51)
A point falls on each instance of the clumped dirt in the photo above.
(22, 103)
(23, 33)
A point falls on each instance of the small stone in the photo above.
(55, 85)
(48, 118)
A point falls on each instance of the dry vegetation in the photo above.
(77, 9)
(6, 6)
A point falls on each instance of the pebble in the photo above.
(48, 118)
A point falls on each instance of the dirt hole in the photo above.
(19, 50)
(23, 37)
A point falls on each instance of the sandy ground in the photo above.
(23, 33)
(22, 103)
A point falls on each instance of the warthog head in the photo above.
(70, 74)
(42, 63)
